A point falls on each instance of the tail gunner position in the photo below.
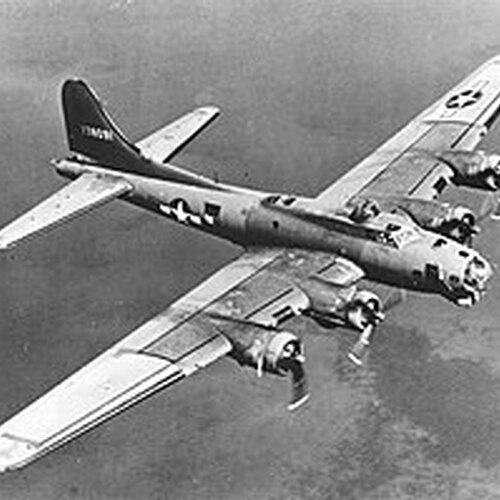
(380, 223)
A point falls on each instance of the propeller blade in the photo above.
(260, 365)
(358, 350)
(260, 347)
(300, 389)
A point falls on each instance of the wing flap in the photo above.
(164, 350)
(83, 194)
(257, 290)
(169, 140)
(406, 164)
(103, 388)
(110, 384)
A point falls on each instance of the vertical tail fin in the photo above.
(92, 134)
(90, 130)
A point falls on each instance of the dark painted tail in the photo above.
(91, 132)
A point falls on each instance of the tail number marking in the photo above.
(101, 134)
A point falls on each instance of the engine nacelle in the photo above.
(473, 168)
(455, 221)
(361, 209)
(332, 306)
(459, 223)
(271, 351)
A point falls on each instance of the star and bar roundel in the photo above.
(463, 99)
(179, 210)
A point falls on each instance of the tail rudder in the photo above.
(90, 130)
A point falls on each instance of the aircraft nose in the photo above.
(489, 270)
(477, 272)
(484, 272)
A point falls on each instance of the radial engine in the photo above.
(455, 221)
(274, 351)
(475, 169)
(331, 305)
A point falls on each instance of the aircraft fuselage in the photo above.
(390, 248)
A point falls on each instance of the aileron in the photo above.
(405, 164)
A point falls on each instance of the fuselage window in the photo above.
(392, 227)
(439, 243)
(212, 210)
(432, 271)
(440, 184)
(273, 199)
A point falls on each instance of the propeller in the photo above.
(260, 347)
(359, 349)
(300, 389)
(292, 361)
(260, 359)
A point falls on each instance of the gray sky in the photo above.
(307, 89)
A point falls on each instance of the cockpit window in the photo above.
(478, 263)
(404, 236)
(386, 239)
(273, 199)
(276, 199)
(398, 237)
(290, 200)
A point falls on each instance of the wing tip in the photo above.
(495, 59)
(209, 110)
(7, 245)
(15, 452)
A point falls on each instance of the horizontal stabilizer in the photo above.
(164, 143)
(83, 194)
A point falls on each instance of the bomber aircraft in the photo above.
(380, 223)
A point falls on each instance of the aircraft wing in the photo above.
(167, 141)
(255, 289)
(406, 165)
(83, 194)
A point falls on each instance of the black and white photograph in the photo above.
(249, 249)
